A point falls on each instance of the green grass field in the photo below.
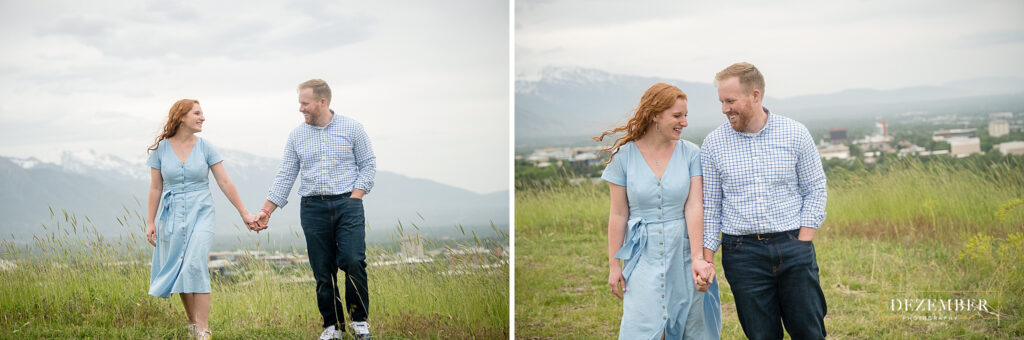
(75, 284)
(937, 226)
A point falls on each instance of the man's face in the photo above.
(737, 104)
(310, 105)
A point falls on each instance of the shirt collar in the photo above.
(334, 117)
(767, 124)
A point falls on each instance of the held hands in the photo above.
(249, 220)
(703, 274)
(260, 222)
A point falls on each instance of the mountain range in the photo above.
(565, 105)
(101, 190)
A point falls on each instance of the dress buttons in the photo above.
(661, 243)
(659, 196)
(662, 274)
(659, 207)
(659, 184)
(659, 217)
(662, 285)
(661, 253)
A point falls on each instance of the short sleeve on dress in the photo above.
(615, 172)
(693, 155)
(154, 158)
(212, 156)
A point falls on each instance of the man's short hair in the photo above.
(750, 77)
(320, 88)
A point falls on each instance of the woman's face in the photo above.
(670, 123)
(193, 120)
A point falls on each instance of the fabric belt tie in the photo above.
(637, 242)
(167, 198)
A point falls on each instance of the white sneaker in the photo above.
(361, 329)
(330, 333)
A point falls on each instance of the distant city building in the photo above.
(878, 141)
(875, 143)
(583, 156)
(837, 135)
(963, 147)
(1011, 148)
(910, 150)
(933, 153)
(943, 135)
(831, 151)
(1001, 115)
(998, 128)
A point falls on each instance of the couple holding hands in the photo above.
(757, 180)
(336, 160)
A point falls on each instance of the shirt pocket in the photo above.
(738, 175)
(340, 148)
(781, 169)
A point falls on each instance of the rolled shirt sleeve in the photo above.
(811, 177)
(712, 198)
(286, 174)
(366, 161)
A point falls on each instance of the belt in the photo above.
(328, 197)
(763, 237)
(637, 242)
(166, 198)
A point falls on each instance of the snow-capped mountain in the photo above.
(576, 103)
(105, 187)
(89, 162)
(566, 105)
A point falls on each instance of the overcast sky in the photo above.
(802, 47)
(429, 81)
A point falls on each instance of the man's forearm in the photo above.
(270, 206)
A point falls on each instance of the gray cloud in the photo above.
(993, 38)
(178, 31)
(418, 75)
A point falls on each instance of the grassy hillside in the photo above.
(909, 226)
(74, 283)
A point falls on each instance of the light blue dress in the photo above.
(660, 293)
(186, 224)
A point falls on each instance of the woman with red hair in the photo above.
(179, 188)
(656, 225)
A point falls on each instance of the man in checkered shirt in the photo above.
(336, 161)
(764, 190)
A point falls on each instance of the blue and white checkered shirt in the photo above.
(765, 182)
(333, 160)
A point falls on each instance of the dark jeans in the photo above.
(775, 277)
(335, 232)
